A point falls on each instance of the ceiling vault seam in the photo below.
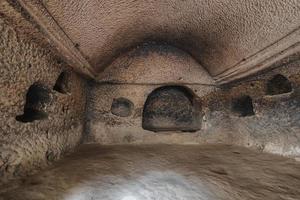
(257, 52)
(54, 33)
(241, 68)
(244, 65)
(56, 22)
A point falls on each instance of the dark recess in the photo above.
(243, 106)
(278, 85)
(37, 97)
(122, 107)
(62, 83)
(172, 108)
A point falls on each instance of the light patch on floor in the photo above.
(162, 172)
(166, 185)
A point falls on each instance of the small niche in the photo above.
(62, 83)
(279, 84)
(37, 97)
(122, 107)
(172, 108)
(243, 106)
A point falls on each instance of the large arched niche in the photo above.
(172, 108)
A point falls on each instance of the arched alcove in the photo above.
(172, 108)
(37, 97)
(243, 106)
(122, 107)
(62, 83)
(279, 84)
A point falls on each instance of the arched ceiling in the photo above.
(155, 64)
(229, 38)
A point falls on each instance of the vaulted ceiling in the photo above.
(229, 38)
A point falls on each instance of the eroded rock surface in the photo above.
(163, 172)
(38, 124)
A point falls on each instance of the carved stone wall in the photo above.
(242, 113)
(38, 124)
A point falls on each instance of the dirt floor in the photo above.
(162, 172)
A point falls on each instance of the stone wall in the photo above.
(133, 77)
(274, 124)
(28, 144)
(269, 123)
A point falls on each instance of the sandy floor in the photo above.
(163, 172)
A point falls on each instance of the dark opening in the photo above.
(122, 107)
(172, 108)
(243, 106)
(37, 98)
(278, 85)
(62, 83)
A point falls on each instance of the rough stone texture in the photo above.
(171, 108)
(134, 76)
(139, 46)
(218, 34)
(163, 172)
(27, 147)
(274, 127)
(105, 128)
(29, 29)
(155, 63)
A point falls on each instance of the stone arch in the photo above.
(37, 97)
(172, 108)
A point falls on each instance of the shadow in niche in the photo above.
(172, 108)
(243, 106)
(122, 107)
(62, 83)
(37, 97)
(279, 84)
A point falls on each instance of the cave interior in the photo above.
(149, 100)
